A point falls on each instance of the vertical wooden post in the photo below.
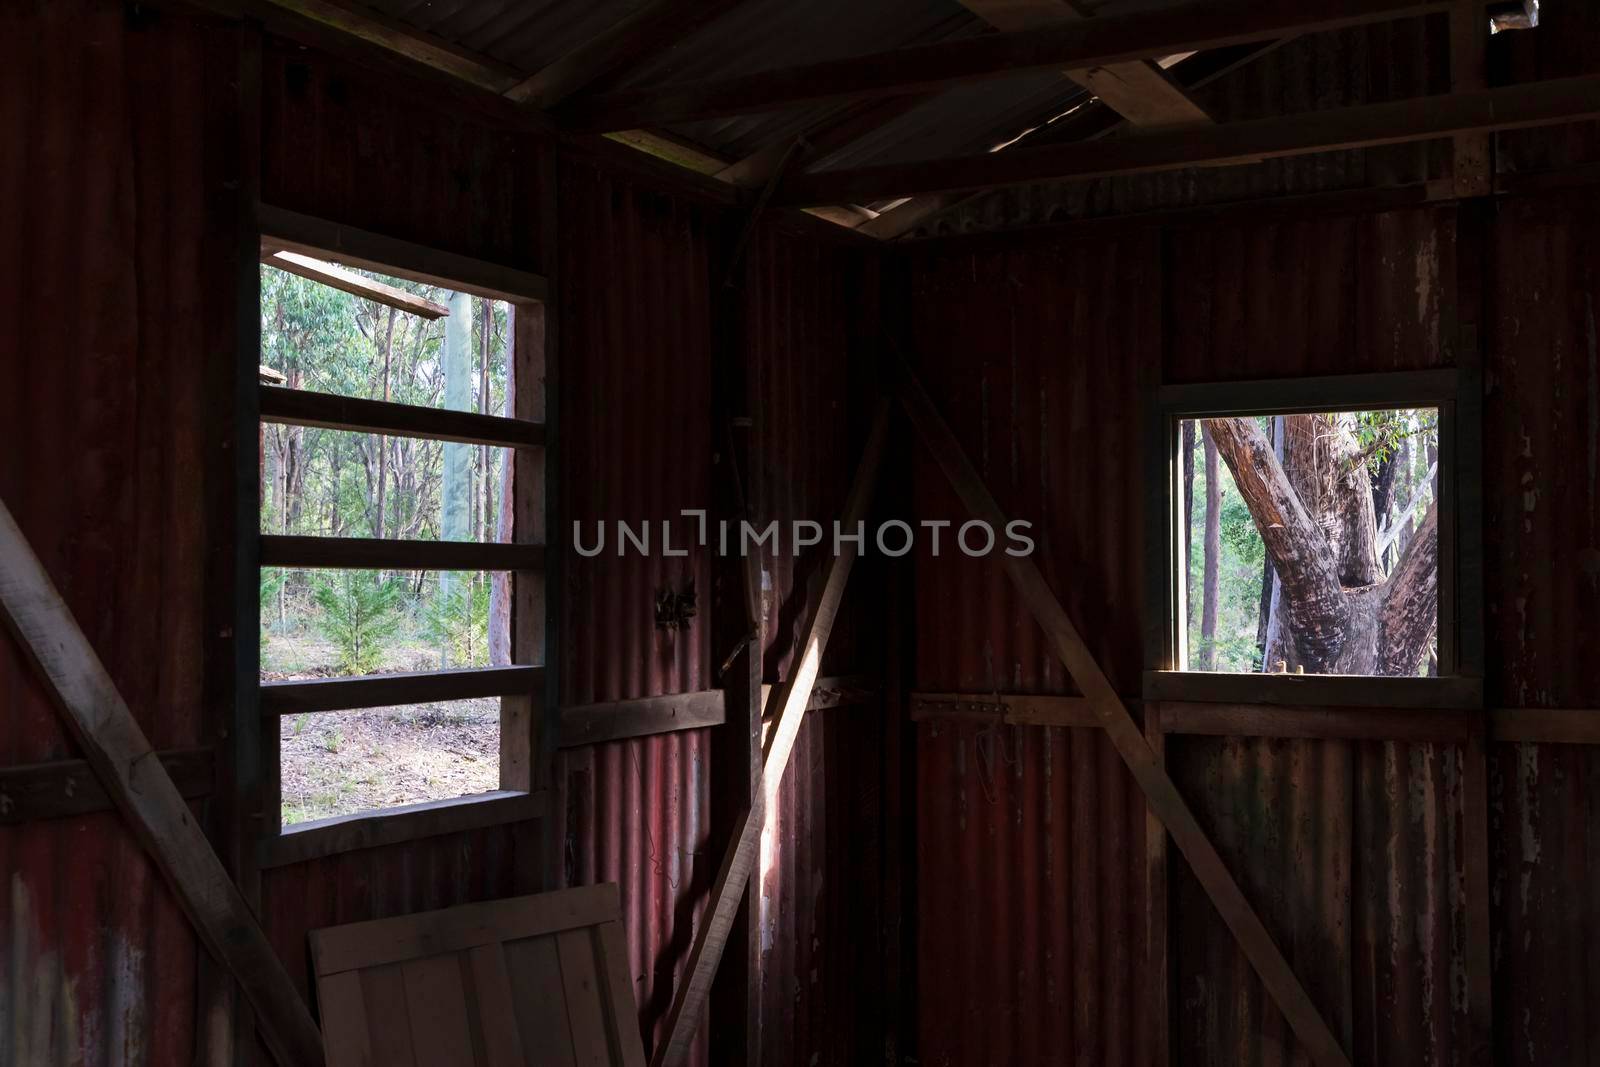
(1157, 909)
(1477, 874)
(790, 698)
(1473, 171)
(737, 627)
(1162, 795)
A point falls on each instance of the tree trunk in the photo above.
(1344, 617)
(1318, 613)
(500, 581)
(1207, 659)
(1189, 438)
(383, 451)
(455, 503)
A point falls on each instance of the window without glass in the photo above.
(1311, 541)
(391, 558)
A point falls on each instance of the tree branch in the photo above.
(1319, 612)
(1409, 612)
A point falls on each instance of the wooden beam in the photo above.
(69, 787)
(1546, 726)
(301, 407)
(375, 553)
(1164, 800)
(408, 41)
(1321, 723)
(1139, 91)
(792, 696)
(924, 68)
(390, 690)
(1012, 709)
(1543, 103)
(336, 276)
(1087, 124)
(128, 769)
(652, 28)
(391, 826)
(821, 139)
(1477, 872)
(1472, 154)
(312, 236)
(590, 724)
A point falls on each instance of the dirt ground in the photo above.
(338, 763)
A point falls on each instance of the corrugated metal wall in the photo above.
(110, 260)
(1353, 851)
(821, 872)
(1031, 840)
(1542, 533)
(636, 445)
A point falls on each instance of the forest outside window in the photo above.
(401, 585)
(1311, 539)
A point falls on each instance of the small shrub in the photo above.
(359, 613)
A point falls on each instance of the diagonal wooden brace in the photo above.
(134, 778)
(791, 697)
(1165, 802)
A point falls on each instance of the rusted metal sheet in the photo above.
(1335, 294)
(1352, 853)
(821, 868)
(378, 153)
(1542, 534)
(1031, 840)
(636, 291)
(1541, 471)
(1545, 810)
(1030, 896)
(1035, 358)
(113, 262)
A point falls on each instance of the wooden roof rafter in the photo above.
(926, 67)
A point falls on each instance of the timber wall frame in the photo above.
(529, 714)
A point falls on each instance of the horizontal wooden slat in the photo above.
(300, 407)
(1319, 690)
(1553, 726)
(1339, 392)
(928, 67)
(379, 942)
(376, 553)
(1510, 107)
(590, 724)
(69, 787)
(389, 690)
(1357, 724)
(1014, 708)
(331, 274)
(321, 238)
(616, 720)
(412, 822)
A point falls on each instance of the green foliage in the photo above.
(358, 613)
(457, 619)
(272, 582)
(1380, 433)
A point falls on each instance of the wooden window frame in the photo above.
(527, 718)
(1457, 394)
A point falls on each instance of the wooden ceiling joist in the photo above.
(1139, 91)
(652, 28)
(1423, 118)
(406, 40)
(923, 68)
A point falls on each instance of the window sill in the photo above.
(1319, 690)
(411, 822)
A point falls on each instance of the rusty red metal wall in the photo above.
(115, 253)
(1353, 852)
(1542, 532)
(636, 339)
(821, 873)
(1030, 885)
(387, 154)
